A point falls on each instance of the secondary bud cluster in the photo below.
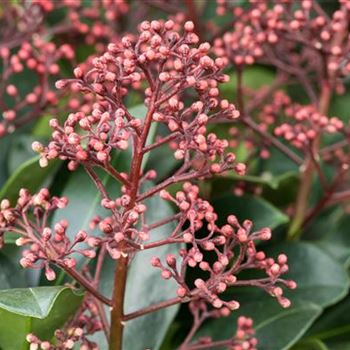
(73, 336)
(305, 34)
(242, 340)
(43, 245)
(298, 124)
(29, 51)
(221, 241)
(121, 231)
(40, 59)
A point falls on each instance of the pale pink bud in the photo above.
(181, 292)
(155, 261)
(50, 274)
(189, 26)
(166, 274)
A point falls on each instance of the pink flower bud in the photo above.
(81, 236)
(284, 302)
(155, 261)
(166, 274)
(37, 147)
(50, 274)
(181, 292)
(189, 26)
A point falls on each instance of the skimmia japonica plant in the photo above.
(181, 93)
(191, 172)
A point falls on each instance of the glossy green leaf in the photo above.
(334, 324)
(340, 106)
(321, 279)
(29, 175)
(11, 273)
(253, 78)
(4, 149)
(42, 128)
(20, 151)
(39, 310)
(278, 164)
(262, 213)
(339, 346)
(310, 344)
(336, 240)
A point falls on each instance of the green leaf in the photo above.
(162, 159)
(42, 128)
(4, 150)
(262, 213)
(39, 310)
(286, 184)
(321, 279)
(11, 273)
(253, 77)
(29, 175)
(340, 106)
(20, 151)
(339, 346)
(310, 344)
(334, 324)
(336, 241)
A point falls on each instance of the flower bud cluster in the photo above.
(303, 123)
(242, 340)
(28, 51)
(304, 33)
(41, 59)
(170, 64)
(180, 81)
(221, 241)
(121, 230)
(73, 336)
(43, 245)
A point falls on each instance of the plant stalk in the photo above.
(308, 169)
(120, 278)
(117, 312)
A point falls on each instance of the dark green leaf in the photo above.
(20, 151)
(321, 279)
(253, 78)
(250, 207)
(29, 175)
(39, 310)
(336, 239)
(11, 273)
(334, 323)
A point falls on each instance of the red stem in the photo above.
(155, 307)
(86, 284)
